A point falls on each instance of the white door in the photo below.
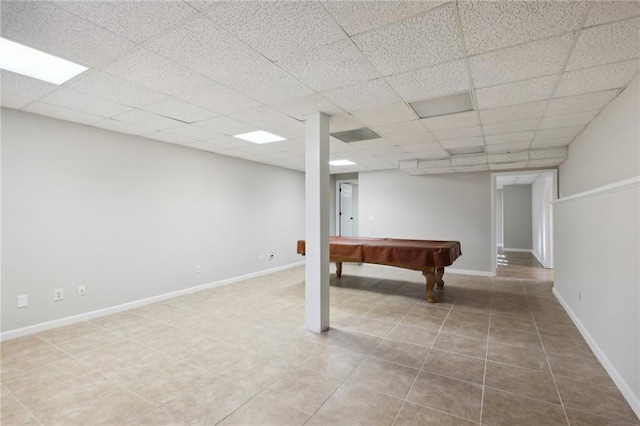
(346, 210)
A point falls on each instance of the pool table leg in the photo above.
(430, 275)
(338, 269)
(439, 274)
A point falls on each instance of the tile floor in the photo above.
(491, 351)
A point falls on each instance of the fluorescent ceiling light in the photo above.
(444, 105)
(259, 136)
(341, 163)
(27, 61)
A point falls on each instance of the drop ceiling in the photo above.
(196, 72)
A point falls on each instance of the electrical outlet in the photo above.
(82, 290)
(58, 295)
(23, 301)
(197, 269)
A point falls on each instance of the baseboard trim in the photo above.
(36, 328)
(632, 399)
(518, 250)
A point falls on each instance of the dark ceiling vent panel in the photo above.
(362, 134)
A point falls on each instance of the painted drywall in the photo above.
(130, 218)
(517, 217)
(541, 195)
(596, 239)
(499, 218)
(434, 207)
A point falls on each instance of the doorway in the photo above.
(347, 208)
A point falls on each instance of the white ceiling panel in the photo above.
(62, 113)
(423, 147)
(609, 11)
(194, 132)
(428, 39)
(462, 143)
(292, 147)
(327, 67)
(458, 133)
(13, 101)
(508, 166)
(122, 127)
(412, 139)
(606, 44)
(488, 26)
(266, 118)
(155, 72)
(179, 110)
(26, 87)
(513, 112)
(435, 154)
(136, 20)
(86, 103)
(568, 120)
(374, 144)
(550, 143)
(588, 102)
(171, 138)
(228, 142)
(362, 95)
(46, 27)
(564, 132)
(298, 108)
(337, 146)
(385, 114)
(509, 138)
(202, 4)
(343, 122)
(507, 147)
(218, 98)
(431, 82)
(596, 79)
(147, 119)
(400, 129)
(114, 89)
(280, 28)
(521, 62)
(516, 93)
(511, 127)
(452, 121)
(356, 17)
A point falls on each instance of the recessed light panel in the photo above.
(341, 163)
(357, 135)
(259, 137)
(24, 60)
(444, 105)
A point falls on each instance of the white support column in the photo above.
(316, 293)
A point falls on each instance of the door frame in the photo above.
(337, 204)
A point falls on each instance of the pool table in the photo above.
(427, 256)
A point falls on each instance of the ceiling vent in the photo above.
(356, 135)
(444, 105)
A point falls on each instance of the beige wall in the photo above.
(517, 217)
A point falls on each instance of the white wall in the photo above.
(541, 196)
(499, 218)
(433, 207)
(130, 218)
(597, 236)
(517, 217)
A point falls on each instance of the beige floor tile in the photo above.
(384, 377)
(567, 346)
(519, 357)
(388, 313)
(562, 331)
(292, 348)
(579, 369)
(158, 418)
(70, 332)
(461, 315)
(355, 405)
(416, 415)
(123, 355)
(41, 378)
(508, 336)
(414, 335)
(18, 365)
(455, 365)
(164, 312)
(90, 342)
(303, 389)
(602, 400)
(461, 344)
(353, 308)
(22, 346)
(401, 353)
(577, 417)
(521, 381)
(462, 399)
(334, 361)
(177, 342)
(465, 328)
(12, 412)
(257, 371)
(352, 340)
(520, 324)
(372, 326)
(423, 319)
(506, 409)
(265, 410)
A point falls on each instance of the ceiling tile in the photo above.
(550, 143)
(136, 20)
(568, 120)
(609, 11)
(202, 4)
(266, 118)
(507, 147)
(451, 121)
(170, 138)
(568, 132)
(334, 65)
(511, 127)
(606, 44)
(516, 93)
(385, 114)
(13, 101)
(604, 77)
(122, 127)
(86, 103)
(26, 87)
(111, 88)
(400, 129)
(337, 146)
(431, 82)
(343, 122)
(508, 166)
(521, 62)
(147, 119)
(298, 108)
(412, 139)
(547, 162)
(194, 132)
(277, 29)
(356, 17)
(363, 95)
(423, 147)
(44, 26)
(459, 133)
(62, 113)
(179, 110)
(509, 138)
(217, 98)
(374, 144)
(489, 26)
(462, 143)
(267, 84)
(292, 147)
(513, 112)
(588, 102)
(155, 72)
(435, 154)
(204, 47)
(428, 39)
(226, 125)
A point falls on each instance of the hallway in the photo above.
(522, 265)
